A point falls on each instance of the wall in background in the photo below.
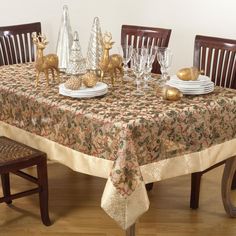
(186, 18)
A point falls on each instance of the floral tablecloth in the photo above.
(139, 139)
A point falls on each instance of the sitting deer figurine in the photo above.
(109, 64)
(44, 63)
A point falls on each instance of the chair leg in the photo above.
(149, 186)
(195, 189)
(234, 182)
(130, 231)
(43, 193)
(226, 185)
(6, 186)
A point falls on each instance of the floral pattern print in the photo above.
(130, 130)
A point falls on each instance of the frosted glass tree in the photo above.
(94, 52)
(77, 63)
(64, 41)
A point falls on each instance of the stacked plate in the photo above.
(98, 90)
(202, 85)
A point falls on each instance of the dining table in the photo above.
(130, 140)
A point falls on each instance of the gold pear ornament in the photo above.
(171, 93)
(191, 73)
(89, 79)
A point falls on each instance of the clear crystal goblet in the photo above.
(138, 67)
(164, 57)
(126, 51)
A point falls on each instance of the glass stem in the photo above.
(146, 77)
(125, 68)
(138, 83)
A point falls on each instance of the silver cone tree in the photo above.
(64, 41)
(77, 63)
(95, 50)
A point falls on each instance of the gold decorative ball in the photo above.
(89, 79)
(191, 73)
(171, 93)
(74, 83)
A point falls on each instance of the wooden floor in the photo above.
(75, 208)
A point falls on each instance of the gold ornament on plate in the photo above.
(89, 79)
(171, 93)
(74, 83)
(110, 64)
(44, 63)
(191, 73)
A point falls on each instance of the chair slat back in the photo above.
(16, 45)
(138, 36)
(216, 57)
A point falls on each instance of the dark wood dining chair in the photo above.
(216, 57)
(16, 45)
(138, 36)
(14, 157)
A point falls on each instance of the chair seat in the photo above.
(12, 151)
(14, 157)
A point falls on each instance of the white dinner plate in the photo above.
(76, 92)
(83, 95)
(98, 90)
(202, 85)
(194, 91)
(192, 88)
(202, 79)
(198, 92)
(182, 86)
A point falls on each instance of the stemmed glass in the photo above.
(139, 62)
(126, 52)
(151, 55)
(164, 57)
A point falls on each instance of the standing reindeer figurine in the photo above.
(109, 64)
(44, 63)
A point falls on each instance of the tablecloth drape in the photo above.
(131, 140)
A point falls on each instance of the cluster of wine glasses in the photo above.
(141, 62)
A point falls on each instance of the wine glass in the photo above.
(164, 57)
(139, 62)
(126, 51)
(151, 55)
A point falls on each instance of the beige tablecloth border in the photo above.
(124, 211)
(77, 161)
(188, 163)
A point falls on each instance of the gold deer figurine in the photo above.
(44, 63)
(109, 64)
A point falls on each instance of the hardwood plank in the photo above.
(74, 204)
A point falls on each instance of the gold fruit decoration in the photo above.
(89, 80)
(74, 83)
(191, 73)
(171, 93)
